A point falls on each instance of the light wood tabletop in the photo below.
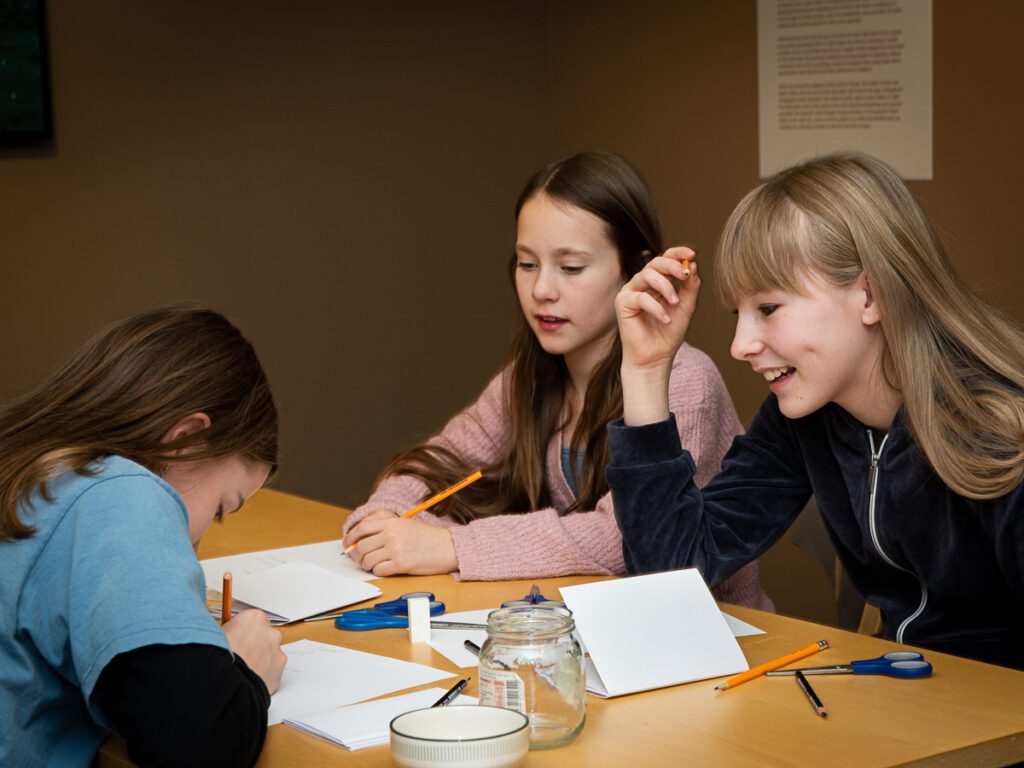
(966, 714)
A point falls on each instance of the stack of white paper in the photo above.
(319, 676)
(296, 590)
(358, 726)
(652, 631)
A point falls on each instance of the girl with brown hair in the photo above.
(110, 472)
(897, 400)
(585, 224)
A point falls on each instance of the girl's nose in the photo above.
(746, 342)
(545, 287)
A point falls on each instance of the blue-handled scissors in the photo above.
(533, 598)
(397, 607)
(905, 664)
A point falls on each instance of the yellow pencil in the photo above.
(225, 600)
(768, 666)
(686, 267)
(441, 496)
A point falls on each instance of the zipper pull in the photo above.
(873, 468)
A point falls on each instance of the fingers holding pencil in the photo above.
(423, 506)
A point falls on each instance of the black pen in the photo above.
(449, 697)
(811, 695)
(472, 647)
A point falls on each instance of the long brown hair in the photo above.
(956, 361)
(123, 391)
(613, 191)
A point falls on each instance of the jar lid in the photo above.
(534, 621)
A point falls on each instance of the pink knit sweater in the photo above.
(543, 542)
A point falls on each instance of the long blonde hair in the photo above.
(611, 189)
(957, 362)
(121, 393)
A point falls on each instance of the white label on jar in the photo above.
(501, 689)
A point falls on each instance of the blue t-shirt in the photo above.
(109, 569)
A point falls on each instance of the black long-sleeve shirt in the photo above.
(185, 705)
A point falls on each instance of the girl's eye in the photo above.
(571, 270)
(526, 266)
(767, 309)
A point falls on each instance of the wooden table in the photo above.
(965, 714)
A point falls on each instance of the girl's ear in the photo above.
(189, 425)
(869, 313)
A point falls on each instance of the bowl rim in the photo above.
(525, 724)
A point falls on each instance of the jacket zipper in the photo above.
(872, 488)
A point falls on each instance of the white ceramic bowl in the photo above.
(460, 737)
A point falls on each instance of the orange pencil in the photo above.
(424, 505)
(768, 666)
(225, 603)
(686, 267)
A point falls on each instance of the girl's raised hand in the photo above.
(653, 313)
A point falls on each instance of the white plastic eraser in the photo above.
(419, 619)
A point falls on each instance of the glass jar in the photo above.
(531, 662)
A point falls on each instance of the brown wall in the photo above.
(339, 178)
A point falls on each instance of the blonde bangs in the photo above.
(764, 246)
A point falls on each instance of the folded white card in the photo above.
(296, 590)
(652, 631)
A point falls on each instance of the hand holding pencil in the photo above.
(390, 544)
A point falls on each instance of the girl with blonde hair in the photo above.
(897, 400)
(110, 472)
(585, 224)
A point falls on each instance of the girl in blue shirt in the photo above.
(110, 472)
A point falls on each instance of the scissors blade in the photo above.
(835, 669)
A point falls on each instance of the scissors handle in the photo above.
(904, 664)
(368, 618)
(358, 621)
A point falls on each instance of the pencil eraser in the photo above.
(419, 619)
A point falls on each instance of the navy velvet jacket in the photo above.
(947, 572)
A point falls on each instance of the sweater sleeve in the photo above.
(544, 543)
(478, 434)
(707, 423)
(667, 521)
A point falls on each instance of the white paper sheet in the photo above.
(321, 676)
(326, 554)
(296, 590)
(652, 631)
(358, 726)
(740, 628)
(450, 643)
